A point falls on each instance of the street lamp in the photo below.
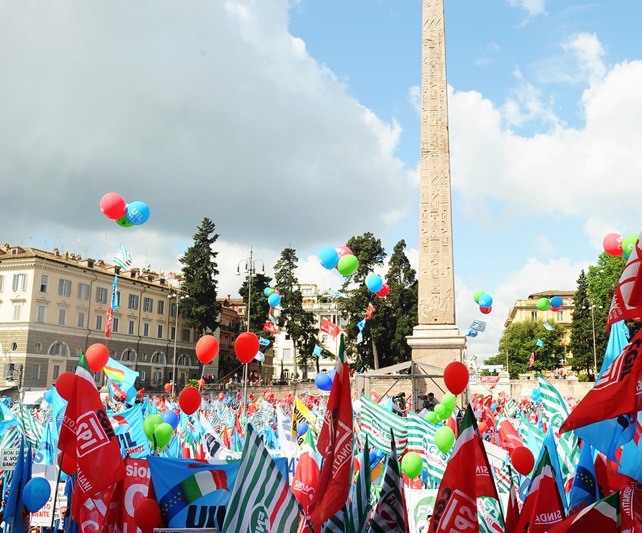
(592, 308)
(175, 293)
(249, 268)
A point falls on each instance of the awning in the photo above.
(33, 397)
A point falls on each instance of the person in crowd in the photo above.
(430, 401)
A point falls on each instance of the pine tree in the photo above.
(581, 342)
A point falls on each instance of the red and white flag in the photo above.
(269, 327)
(369, 311)
(110, 321)
(531, 360)
(306, 475)
(329, 327)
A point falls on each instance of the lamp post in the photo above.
(176, 293)
(249, 268)
(592, 309)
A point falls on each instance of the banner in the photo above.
(420, 505)
(9, 458)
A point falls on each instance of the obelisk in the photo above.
(436, 339)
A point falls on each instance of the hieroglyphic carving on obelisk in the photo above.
(436, 278)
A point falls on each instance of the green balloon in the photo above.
(122, 221)
(270, 291)
(348, 265)
(412, 464)
(478, 295)
(448, 413)
(628, 244)
(449, 400)
(432, 417)
(444, 438)
(440, 411)
(163, 434)
(543, 304)
(150, 423)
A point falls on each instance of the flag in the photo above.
(478, 325)
(287, 437)
(128, 428)
(548, 326)
(335, 446)
(602, 516)
(261, 499)
(421, 440)
(263, 341)
(584, 491)
(627, 298)
(114, 294)
(531, 360)
(123, 376)
(539, 343)
(378, 422)
(109, 322)
(359, 510)
(512, 506)
(390, 512)
(88, 436)
(122, 258)
(336, 294)
(260, 356)
(615, 393)
(316, 351)
(509, 438)
(543, 507)
(15, 512)
(329, 327)
(270, 327)
(467, 477)
(301, 413)
(369, 311)
(306, 475)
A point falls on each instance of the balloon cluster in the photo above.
(340, 258)
(158, 430)
(126, 215)
(273, 296)
(553, 304)
(485, 302)
(375, 284)
(616, 245)
(536, 395)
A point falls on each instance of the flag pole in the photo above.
(53, 510)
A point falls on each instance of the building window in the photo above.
(143, 375)
(38, 347)
(129, 355)
(17, 309)
(185, 334)
(160, 308)
(131, 327)
(101, 295)
(44, 283)
(183, 360)
(64, 288)
(81, 319)
(83, 291)
(41, 314)
(62, 315)
(157, 376)
(1, 283)
(115, 324)
(560, 316)
(158, 358)
(172, 333)
(148, 305)
(159, 331)
(173, 309)
(533, 315)
(99, 322)
(59, 348)
(35, 371)
(19, 282)
(145, 329)
(56, 372)
(133, 301)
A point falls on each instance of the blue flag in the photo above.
(15, 511)
(548, 326)
(47, 453)
(317, 351)
(539, 343)
(114, 294)
(263, 341)
(584, 491)
(128, 428)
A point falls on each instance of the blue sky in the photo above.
(295, 123)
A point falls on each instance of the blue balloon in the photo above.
(556, 301)
(374, 283)
(274, 299)
(485, 301)
(137, 213)
(171, 418)
(302, 429)
(323, 381)
(332, 373)
(268, 290)
(493, 406)
(329, 258)
(36, 493)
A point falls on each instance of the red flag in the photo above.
(369, 311)
(306, 475)
(509, 438)
(531, 360)
(627, 299)
(631, 508)
(468, 475)
(87, 436)
(335, 447)
(616, 393)
(329, 327)
(110, 320)
(512, 510)
(602, 516)
(543, 507)
(270, 327)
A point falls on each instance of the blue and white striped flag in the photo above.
(548, 326)
(122, 258)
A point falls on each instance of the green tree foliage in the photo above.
(581, 341)
(371, 254)
(256, 312)
(519, 340)
(299, 324)
(199, 289)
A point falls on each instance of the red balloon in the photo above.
(113, 205)
(246, 346)
(221, 396)
(201, 383)
(384, 291)
(268, 396)
(168, 387)
(147, 515)
(207, 349)
(523, 460)
(483, 427)
(555, 309)
(189, 400)
(65, 384)
(343, 250)
(67, 463)
(613, 244)
(97, 356)
(456, 377)
(486, 310)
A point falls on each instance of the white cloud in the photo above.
(532, 7)
(588, 50)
